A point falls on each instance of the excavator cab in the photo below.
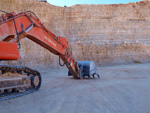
(8, 51)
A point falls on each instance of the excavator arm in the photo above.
(27, 24)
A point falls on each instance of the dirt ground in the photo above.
(121, 89)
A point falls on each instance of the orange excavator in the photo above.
(19, 80)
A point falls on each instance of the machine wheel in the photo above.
(36, 81)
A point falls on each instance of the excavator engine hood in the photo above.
(86, 68)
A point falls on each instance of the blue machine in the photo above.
(86, 68)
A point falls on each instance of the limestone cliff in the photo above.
(107, 34)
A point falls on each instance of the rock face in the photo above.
(106, 34)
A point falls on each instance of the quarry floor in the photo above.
(121, 89)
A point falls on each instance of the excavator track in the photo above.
(17, 81)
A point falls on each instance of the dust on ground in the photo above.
(121, 89)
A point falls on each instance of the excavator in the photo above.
(17, 81)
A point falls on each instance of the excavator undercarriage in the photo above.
(17, 81)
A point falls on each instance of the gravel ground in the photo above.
(121, 89)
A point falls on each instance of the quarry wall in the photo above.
(107, 34)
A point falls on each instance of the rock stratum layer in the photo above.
(106, 34)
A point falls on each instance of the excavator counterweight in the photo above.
(17, 80)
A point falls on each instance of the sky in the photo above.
(73, 2)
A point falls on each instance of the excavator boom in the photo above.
(26, 24)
